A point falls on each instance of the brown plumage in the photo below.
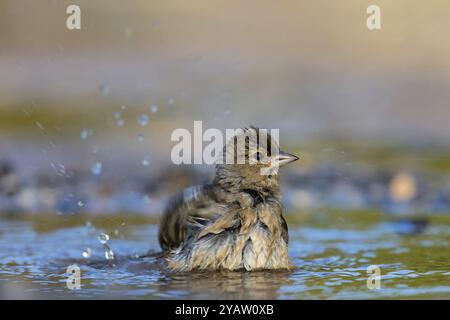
(234, 222)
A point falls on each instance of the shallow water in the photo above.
(331, 251)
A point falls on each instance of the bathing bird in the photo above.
(234, 222)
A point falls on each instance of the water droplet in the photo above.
(109, 254)
(96, 169)
(103, 238)
(170, 101)
(146, 161)
(104, 90)
(80, 203)
(85, 133)
(123, 107)
(140, 137)
(154, 108)
(40, 125)
(120, 122)
(147, 199)
(143, 120)
(87, 253)
(116, 232)
(117, 115)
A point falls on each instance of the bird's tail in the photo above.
(181, 216)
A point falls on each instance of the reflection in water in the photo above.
(229, 285)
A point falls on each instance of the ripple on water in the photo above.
(330, 263)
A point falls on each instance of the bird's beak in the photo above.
(284, 158)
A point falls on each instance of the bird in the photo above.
(235, 222)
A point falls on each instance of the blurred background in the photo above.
(86, 117)
(100, 103)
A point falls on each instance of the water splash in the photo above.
(104, 89)
(85, 133)
(87, 253)
(120, 123)
(97, 168)
(103, 238)
(109, 254)
(40, 125)
(146, 161)
(143, 120)
(147, 199)
(154, 108)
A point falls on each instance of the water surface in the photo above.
(331, 251)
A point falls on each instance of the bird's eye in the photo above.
(258, 156)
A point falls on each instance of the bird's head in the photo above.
(250, 162)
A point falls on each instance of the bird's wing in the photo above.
(186, 213)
